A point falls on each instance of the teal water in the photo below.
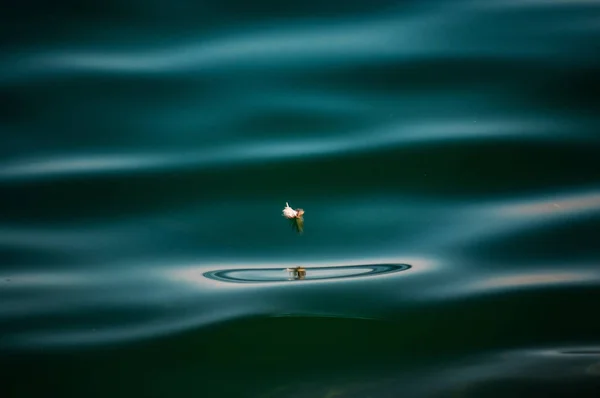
(446, 154)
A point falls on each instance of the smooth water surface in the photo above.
(447, 155)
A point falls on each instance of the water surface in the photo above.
(445, 153)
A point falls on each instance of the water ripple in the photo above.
(409, 36)
(257, 275)
(147, 155)
(392, 136)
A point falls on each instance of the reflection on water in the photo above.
(297, 273)
(147, 148)
(532, 373)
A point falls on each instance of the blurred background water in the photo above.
(149, 146)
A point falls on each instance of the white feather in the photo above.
(289, 212)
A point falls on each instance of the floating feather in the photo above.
(295, 217)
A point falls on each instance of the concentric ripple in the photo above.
(258, 275)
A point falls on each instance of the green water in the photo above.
(445, 153)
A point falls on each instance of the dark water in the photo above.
(447, 155)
